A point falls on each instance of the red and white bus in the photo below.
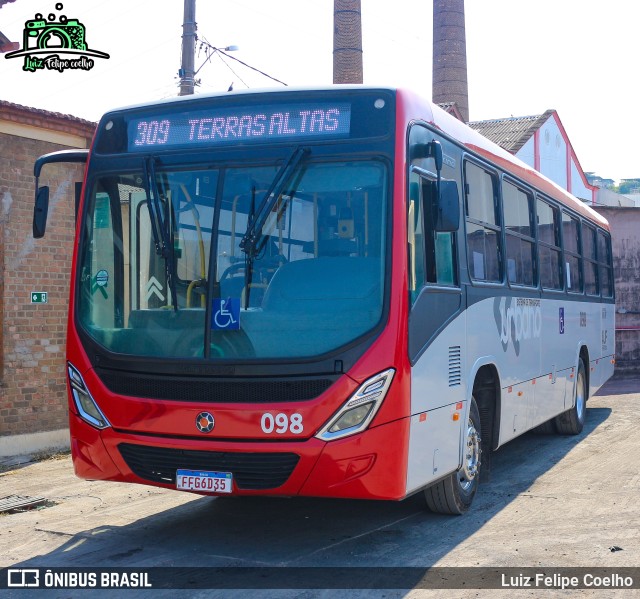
(341, 292)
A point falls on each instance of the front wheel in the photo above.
(454, 494)
(572, 421)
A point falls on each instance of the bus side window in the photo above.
(440, 255)
(483, 224)
(605, 266)
(589, 260)
(571, 245)
(518, 223)
(432, 253)
(416, 238)
(549, 246)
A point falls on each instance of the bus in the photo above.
(342, 292)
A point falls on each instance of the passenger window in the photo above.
(416, 238)
(605, 266)
(550, 254)
(518, 217)
(483, 224)
(589, 260)
(432, 255)
(571, 242)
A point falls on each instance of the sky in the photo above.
(578, 57)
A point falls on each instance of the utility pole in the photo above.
(187, 69)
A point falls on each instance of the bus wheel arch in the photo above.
(454, 494)
(486, 391)
(571, 422)
(584, 356)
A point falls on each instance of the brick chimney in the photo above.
(347, 41)
(450, 55)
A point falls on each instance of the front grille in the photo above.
(214, 390)
(251, 471)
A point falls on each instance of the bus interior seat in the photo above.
(328, 283)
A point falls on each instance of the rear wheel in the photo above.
(454, 494)
(572, 421)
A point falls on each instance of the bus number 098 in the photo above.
(152, 132)
(281, 423)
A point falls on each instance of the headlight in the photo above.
(87, 408)
(358, 411)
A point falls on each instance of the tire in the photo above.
(572, 421)
(454, 494)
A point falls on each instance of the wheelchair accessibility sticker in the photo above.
(226, 314)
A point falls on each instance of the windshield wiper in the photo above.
(252, 241)
(160, 224)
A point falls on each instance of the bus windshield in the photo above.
(162, 273)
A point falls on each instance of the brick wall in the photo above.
(625, 236)
(32, 368)
(33, 385)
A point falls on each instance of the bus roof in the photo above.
(412, 107)
(415, 107)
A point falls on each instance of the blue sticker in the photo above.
(226, 314)
(561, 320)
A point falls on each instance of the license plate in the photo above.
(208, 482)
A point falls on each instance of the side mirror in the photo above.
(436, 152)
(444, 203)
(447, 208)
(433, 149)
(40, 211)
(41, 208)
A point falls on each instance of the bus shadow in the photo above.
(620, 384)
(301, 532)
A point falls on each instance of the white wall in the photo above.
(578, 188)
(553, 153)
(527, 153)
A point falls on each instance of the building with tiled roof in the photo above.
(6, 45)
(542, 142)
(33, 393)
(511, 133)
(453, 109)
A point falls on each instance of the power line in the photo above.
(229, 67)
(219, 51)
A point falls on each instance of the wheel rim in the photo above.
(580, 396)
(469, 471)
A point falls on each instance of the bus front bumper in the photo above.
(369, 465)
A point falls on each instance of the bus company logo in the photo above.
(517, 319)
(45, 40)
(205, 422)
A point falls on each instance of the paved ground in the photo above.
(552, 501)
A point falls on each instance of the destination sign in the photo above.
(240, 124)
